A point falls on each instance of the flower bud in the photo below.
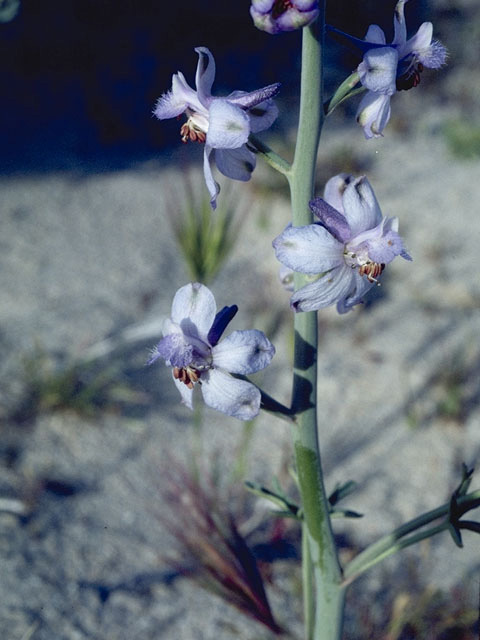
(275, 16)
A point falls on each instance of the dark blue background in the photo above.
(80, 77)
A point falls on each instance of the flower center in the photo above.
(195, 128)
(365, 266)
(279, 7)
(188, 375)
(410, 77)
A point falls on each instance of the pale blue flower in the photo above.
(222, 124)
(397, 66)
(276, 16)
(346, 251)
(191, 347)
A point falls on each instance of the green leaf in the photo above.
(341, 491)
(470, 525)
(344, 91)
(345, 513)
(279, 499)
(456, 535)
(467, 474)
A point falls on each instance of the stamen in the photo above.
(187, 375)
(189, 131)
(410, 79)
(372, 270)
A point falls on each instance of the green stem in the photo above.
(327, 574)
(307, 580)
(391, 543)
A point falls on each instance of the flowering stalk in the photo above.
(324, 568)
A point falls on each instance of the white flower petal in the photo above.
(194, 309)
(373, 114)
(310, 249)
(262, 116)
(237, 398)
(237, 164)
(378, 70)
(434, 56)
(169, 106)
(333, 192)
(182, 89)
(243, 352)
(229, 126)
(399, 26)
(264, 6)
(170, 327)
(360, 286)
(185, 392)
(212, 186)
(362, 210)
(173, 103)
(420, 41)
(205, 74)
(375, 34)
(325, 291)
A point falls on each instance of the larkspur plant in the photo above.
(335, 249)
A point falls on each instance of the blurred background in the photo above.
(108, 484)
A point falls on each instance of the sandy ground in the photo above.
(87, 257)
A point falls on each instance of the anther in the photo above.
(187, 375)
(189, 132)
(410, 79)
(372, 270)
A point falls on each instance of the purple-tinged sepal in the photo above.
(221, 322)
(333, 221)
(249, 100)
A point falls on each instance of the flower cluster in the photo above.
(275, 16)
(191, 346)
(345, 251)
(342, 254)
(386, 69)
(222, 124)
